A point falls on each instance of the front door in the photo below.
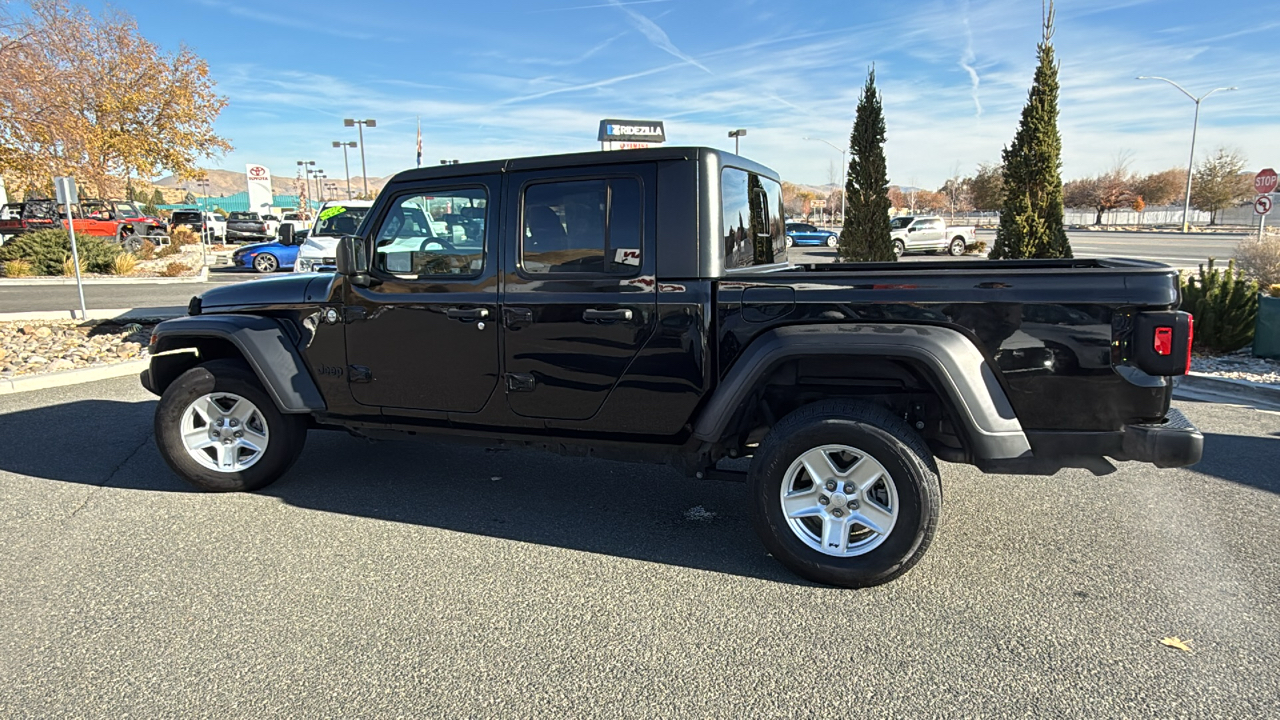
(424, 336)
(579, 295)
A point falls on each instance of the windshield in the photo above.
(338, 220)
(899, 223)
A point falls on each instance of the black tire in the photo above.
(887, 439)
(288, 433)
(957, 246)
(899, 248)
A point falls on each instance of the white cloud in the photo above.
(656, 35)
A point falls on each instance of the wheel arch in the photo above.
(943, 358)
(180, 344)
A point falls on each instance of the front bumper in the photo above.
(1174, 442)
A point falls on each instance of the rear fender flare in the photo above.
(265, 346)
(971, 386)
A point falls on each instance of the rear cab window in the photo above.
(753, 220)
(582, 226)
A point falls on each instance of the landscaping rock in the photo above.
(60, 345)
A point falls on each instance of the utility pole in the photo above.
(1191, 164)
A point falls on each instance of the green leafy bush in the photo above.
(47, 249)
(1225, 306)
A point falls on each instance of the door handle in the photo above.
(594, 314)
(467, 313)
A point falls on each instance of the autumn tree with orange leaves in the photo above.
(89, 96)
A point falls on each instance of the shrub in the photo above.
(167, 251)
(124, 264)
(977, 247)
(1225, 306)
(174, 269)
(46, 249)
(183, 236)
(17, 268)
(69, 266)
(147, 251)
(1259, 258)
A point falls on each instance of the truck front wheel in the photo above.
(217, 428)
(845, 493)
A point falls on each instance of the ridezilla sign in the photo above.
(631, 134)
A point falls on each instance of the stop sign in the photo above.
(1265, 182)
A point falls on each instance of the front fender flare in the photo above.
(959, 368)
(265, 346)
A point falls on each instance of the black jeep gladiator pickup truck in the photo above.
(639, 305)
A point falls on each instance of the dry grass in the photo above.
(124, 264)
(18, 268)
(1259, 259)
(167, 251)
(183, 236)
(979, 247)
(69, 267)
(174, 269)
(147, 251)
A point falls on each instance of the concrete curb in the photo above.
(27, 383)
(1229, 390)
(202, 276)
(121, 314)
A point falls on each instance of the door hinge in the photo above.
(520, 382)
(359, 374)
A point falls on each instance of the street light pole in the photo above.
(843, 165)
(306, 169)
(360, 125)
(736, 134)
(1186, 203)
(345, 165)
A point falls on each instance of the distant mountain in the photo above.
(229, 182)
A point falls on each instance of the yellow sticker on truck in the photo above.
(330, 212)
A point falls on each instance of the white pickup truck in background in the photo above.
(914, 233)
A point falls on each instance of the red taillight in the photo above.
(1163, 343)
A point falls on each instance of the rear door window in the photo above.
(754, 231)
(582, 226)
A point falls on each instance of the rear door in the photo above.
(579, 296)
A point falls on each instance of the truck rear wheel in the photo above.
(845, 493)
(217, 428)
(957, 246)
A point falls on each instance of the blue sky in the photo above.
(499, 79)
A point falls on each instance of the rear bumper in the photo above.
(1172, 442)
(1175, 442)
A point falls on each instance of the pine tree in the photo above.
(865, 236)
(1031, 223)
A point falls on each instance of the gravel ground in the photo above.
(1240, 365)
(29, 348)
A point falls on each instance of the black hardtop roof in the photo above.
(597, 157)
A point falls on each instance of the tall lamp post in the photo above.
(320, 178)
(345, 165)
(843, 165)
(1186, 203)
(203, 184)
(362, 124)
(306, 166)
(736, 134)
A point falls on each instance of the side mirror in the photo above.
(285, 234)
(351, 261)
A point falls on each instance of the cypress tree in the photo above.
(865, 236)
(1031, 222)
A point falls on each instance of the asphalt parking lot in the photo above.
(423, 580)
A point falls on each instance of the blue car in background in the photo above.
(806, 234)
(268, 257)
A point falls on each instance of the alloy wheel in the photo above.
(224, 432)
(839, 500)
